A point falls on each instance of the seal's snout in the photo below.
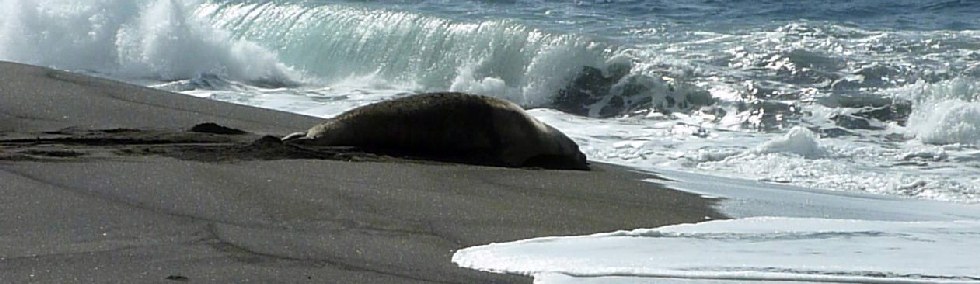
(294, 136)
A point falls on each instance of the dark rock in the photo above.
(835, 132)
(895, 137)
(855, 122)
(180, 278)
(586, 89)
(897, 111)
(772, 115)
(871, 117)
(266, 141)
(214, 128)
(592, 93)
(873, 107)
(55, 153)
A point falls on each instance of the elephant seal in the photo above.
(449, 126)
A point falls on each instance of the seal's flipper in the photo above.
(294, 136)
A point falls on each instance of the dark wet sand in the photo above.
(101, 182)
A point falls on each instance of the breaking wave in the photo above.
(157, 39)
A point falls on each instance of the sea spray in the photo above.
(946, 112)
(707, 84)
(798, 141)
(497, 57)
(157, 40)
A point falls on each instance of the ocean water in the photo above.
(745, 250)
(780, 234)
(870, 96)
(876, 97)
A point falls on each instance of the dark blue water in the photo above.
(710, 15)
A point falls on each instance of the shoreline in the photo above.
(118, 212)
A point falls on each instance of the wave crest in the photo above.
(155, 39)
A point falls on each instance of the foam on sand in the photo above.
(757, 249)
(821, 236)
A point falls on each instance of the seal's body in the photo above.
(454, 126)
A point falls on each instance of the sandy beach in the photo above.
(103, 182)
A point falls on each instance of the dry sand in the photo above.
(100, 182)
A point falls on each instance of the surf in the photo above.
(159, 40)
(887, 104)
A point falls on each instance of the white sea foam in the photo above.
(494, 57)
(152, 39)
(909, 169)
(798, 141)
(484, 58)
(752, 249)
(946, 112)
(772, 82)
(468, 80)
(823, 237)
